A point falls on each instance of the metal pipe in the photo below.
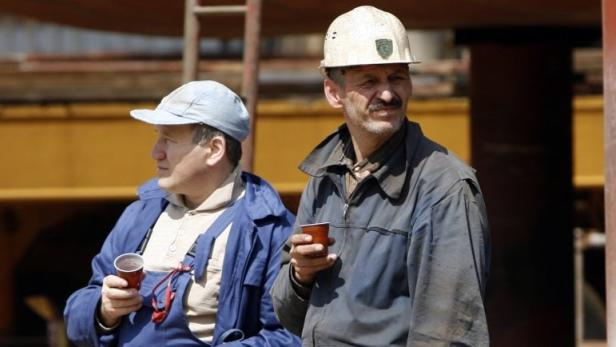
(219, 10)
(250, 83)
(578, 270)
(191, 42)
(609, 95)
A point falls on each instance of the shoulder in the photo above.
(150, 190)
(148, 205)
(262, 201)
(265, 212)
(437, 171)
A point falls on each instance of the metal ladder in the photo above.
(252, 31)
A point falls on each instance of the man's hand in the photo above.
(307, 258)
(117, 300)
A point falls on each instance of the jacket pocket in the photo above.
(203, 295)
(255, 272)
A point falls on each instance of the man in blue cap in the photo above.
(210, 237)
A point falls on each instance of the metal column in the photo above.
(250, 82)
(190, 59)
(609, 95)
(578, 271)
(7, 287)
(521, 92)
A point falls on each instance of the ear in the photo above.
(332, 93)
(216, 148)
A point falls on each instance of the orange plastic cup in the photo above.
(319, 233)
(129, 266)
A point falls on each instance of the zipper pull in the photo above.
(345, 210)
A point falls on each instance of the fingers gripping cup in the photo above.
(129, 266)
(319, 233)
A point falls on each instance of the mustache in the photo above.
(379, 104)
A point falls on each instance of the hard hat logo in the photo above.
(384, 47)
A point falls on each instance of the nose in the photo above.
(386, 93)
(158, 152)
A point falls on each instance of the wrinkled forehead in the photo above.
(177, 130)
(377, 69)
(388, 68)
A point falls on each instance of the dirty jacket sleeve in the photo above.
(81, 306)
(448, 260)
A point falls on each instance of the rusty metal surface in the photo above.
(521, 147)
(250, 81)
(164, 17)
(250, 78)
(609, 95)
(191, 42)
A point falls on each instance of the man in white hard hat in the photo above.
(409, 250)
(210, 237)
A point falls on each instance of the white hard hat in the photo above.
(364, 36)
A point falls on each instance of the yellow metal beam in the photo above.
(96, 151)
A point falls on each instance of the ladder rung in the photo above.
(219, 10)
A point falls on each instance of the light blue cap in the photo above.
(206, 102)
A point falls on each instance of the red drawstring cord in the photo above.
(159, 315)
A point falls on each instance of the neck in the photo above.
(365, 143)
(211, 181)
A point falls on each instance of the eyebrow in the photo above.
(400, 70)
(162, 131)
(367, 75)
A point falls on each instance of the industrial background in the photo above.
(523, 91)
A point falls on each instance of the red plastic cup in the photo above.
(319, 233)
(129, 266)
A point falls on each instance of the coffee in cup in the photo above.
(129, 266)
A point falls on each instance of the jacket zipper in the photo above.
(342, 192)
(347, 202)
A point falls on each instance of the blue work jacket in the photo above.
(252, 260)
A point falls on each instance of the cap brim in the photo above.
(160, 117)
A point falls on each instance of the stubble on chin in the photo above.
(383, 128)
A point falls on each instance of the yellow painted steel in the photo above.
(96, 151)
(286, 132)
(588, 142)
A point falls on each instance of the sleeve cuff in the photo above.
(302, 291)
(103, 329)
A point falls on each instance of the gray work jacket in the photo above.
(413, 251)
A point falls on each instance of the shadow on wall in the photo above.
(55, 265)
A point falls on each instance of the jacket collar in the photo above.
(261, 200)
(151, 190)
(391, 176)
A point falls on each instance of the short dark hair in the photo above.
(336, 74)
(233, 148)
